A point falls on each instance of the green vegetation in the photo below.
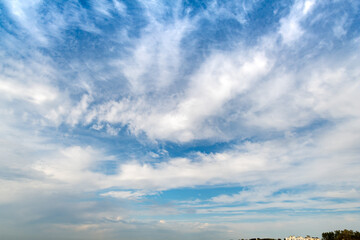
(341, 235)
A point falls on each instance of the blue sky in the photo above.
(179, 119)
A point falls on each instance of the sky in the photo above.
(179, 120)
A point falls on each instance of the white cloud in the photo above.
(236, 166)
(290, 28)
(120, 7)
(339, 28)
(25, 13)
(37, 94)
(245, 196)
(156, 58)
(219, 80)
(28, 80)
(71, 166)
(124, 194)
(79, 110)
(263, 90)
(75, 167)
(32, 86)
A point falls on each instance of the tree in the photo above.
(341, 235)
(328, 236)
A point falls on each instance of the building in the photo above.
(302, 238)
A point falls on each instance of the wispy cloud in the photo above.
(112, 110)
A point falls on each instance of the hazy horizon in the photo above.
(162, 120)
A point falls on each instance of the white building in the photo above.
(302, 238)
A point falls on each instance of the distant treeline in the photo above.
(335, 235)
(341, 235)
(262, 239)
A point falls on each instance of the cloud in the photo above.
(71, 165)
(25, 14)
(290, 29)
(182, 172)
(155, 61)
(339, 28)
(219, 80)
(79, 110)
(108, 110)
(36, 94)
(123, 194)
